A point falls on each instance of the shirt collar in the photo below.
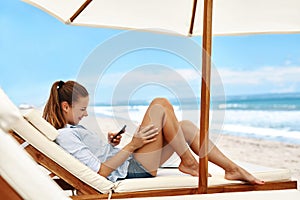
(74, 126)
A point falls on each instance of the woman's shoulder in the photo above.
(69, 129)
(76, 130)
(69, 133)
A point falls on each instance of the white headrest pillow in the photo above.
(34, 117)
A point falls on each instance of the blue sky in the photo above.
(36, 49)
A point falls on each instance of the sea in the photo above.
(273, 117)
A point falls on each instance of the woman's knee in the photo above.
(162, 101)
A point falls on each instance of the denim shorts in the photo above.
(136, 170)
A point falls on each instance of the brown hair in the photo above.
(70, 92)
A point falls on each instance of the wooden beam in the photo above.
(193, 17)
(188, 191)
(82, 7)
(205, 95)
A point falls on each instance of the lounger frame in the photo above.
(84, 191)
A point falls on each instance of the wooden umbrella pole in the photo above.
(205, 95)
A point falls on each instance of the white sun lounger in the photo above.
(40, 135)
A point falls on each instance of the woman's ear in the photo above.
(65, 106)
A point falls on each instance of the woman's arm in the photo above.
(142, 137)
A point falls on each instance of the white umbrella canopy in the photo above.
(183, 17)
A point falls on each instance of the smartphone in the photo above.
(119, 133)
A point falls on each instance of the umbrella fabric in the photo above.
(176, 16)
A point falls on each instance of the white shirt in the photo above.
(88, 148)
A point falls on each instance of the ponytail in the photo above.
(70, 92)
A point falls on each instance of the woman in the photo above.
(158, 137)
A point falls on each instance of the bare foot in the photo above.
(191, 169)
(239, 173)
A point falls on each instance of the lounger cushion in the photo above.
(173, 178)
(167, 179)
(35, 118)
(23, 174)
(8, 112)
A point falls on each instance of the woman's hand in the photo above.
(143, 136)
(115, 141)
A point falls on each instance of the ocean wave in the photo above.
(281, 135)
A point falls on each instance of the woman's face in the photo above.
(77, 111)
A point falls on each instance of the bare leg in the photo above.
(161, 114)
(232, 170)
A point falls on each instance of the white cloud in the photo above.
(279, 76)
